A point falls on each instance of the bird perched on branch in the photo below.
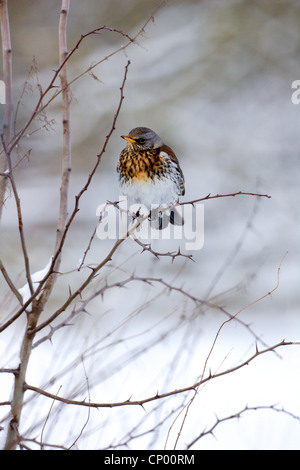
(150, 174)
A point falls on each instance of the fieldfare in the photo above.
(150, 174)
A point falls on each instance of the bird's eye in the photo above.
(141, 141)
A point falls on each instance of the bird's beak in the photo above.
(129, 139)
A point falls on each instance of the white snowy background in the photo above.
(213, 79)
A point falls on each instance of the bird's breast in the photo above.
(141, 167)
(140, 177)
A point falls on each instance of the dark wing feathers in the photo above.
(169, 151)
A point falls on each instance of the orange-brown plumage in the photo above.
(141, 165)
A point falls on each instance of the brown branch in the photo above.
(66, 157)
(19, 213)
(81, 263)
(12, 437)
(78, 291)
(132, 40)
(160, 396)
(150, 281)
(239, 193)
(237, 415)
(7, 76)
(66, 150)
(10, 283)
(173, 254)
(18, 394)
(216, 196)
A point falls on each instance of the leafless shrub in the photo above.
(110, 355)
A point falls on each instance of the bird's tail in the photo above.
(160, 220)
(176, 218)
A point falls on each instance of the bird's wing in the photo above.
(166, 149)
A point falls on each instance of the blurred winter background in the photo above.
(213, 78)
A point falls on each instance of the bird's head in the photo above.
(144, 138)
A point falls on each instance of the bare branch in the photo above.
(216, 196)
(10, 283)
(237, 415)
(173, 255)
(18, 395)
(159, 396)
(66, 150)
(19, 213)
(7, 76)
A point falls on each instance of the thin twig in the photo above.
(46, 420)
(19, 213)
(237, 415)
(215, 196)
(10, 283)
(238, 193)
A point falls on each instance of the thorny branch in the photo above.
(159, 396)
(152, 281)
(173, 255)
(237, 415)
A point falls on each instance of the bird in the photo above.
(150, 174)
